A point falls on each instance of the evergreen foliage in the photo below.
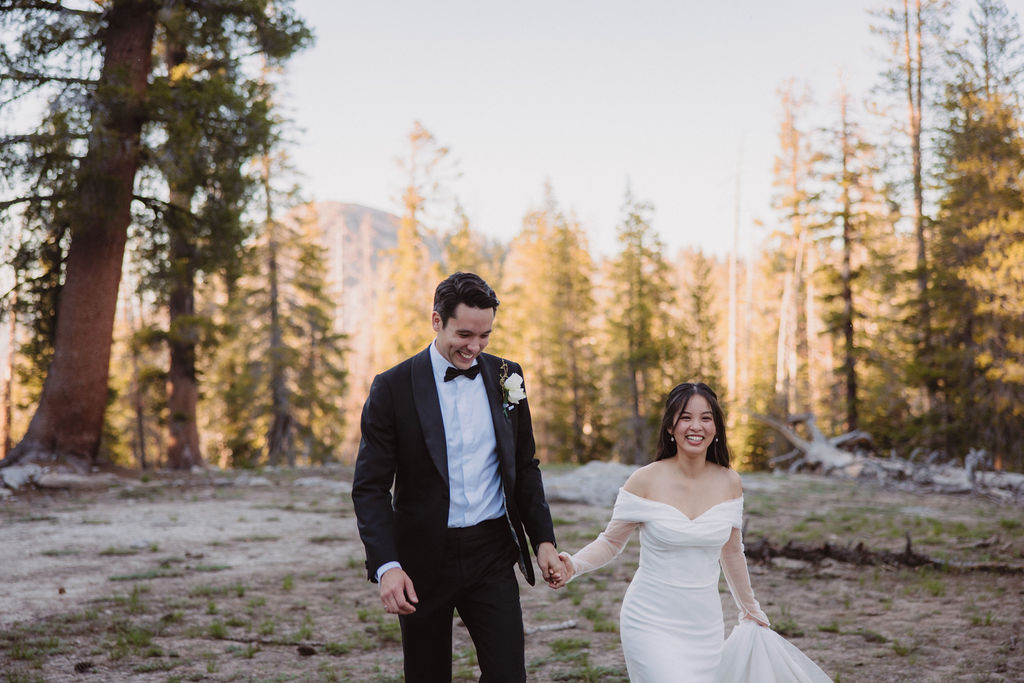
(638, 333)
(547, 324)
(886, 296)
(283, 361)
(976, 361)
(191, 124)
(405, 301)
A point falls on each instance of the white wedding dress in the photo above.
(671, 621)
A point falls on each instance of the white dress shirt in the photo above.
(474, 484)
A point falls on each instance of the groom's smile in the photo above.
(465, 335)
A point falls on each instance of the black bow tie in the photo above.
(470, 372)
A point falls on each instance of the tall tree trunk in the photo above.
(578, 417)
(182, 386)
(279, 436)
(7, 391)
(637, 429)
(846, 273)
(137, 393)
(813, 330)
(182, 383)
(782, 378)
(68, 422)
(748, 326)
(915, 74)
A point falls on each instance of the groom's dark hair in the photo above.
(462, 288)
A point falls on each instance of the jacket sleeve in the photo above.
(734, 566)
(373, 478)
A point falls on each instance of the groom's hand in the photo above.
(550, 565)
(397, 592)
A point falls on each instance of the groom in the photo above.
(456, 442)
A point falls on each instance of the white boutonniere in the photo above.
(512, 390)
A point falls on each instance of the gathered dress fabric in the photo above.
(671, 621)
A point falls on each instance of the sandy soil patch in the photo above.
(213, 578)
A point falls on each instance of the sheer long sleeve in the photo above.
(603, 549)
(734, 566)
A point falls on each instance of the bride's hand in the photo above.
(568, 570)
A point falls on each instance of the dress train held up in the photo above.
(671, 621)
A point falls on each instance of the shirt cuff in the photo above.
(386, 566)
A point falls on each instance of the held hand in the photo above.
(550, 564)
(395, 588)
(570, 569)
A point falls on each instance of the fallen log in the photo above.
(927, 472)
(818, 451)
(763, 550)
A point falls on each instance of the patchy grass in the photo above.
(244, 609)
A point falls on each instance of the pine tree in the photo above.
(405, 301)
(283, 400)
(118, 109)
(468, 251)
(321, 377)
(795, 374)
(856, 212)
(68, 422)
(978, 273)
(547, 323)
(916, 35)
(700, 316)
(640, 296)
(215, 117)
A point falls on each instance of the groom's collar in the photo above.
(439, 364)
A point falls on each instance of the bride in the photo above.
(688, 506)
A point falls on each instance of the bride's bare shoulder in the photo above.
(733, 481)
(639, 483)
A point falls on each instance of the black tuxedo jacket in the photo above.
(403, 443)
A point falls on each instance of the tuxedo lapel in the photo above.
(428, 408)
(489, 372)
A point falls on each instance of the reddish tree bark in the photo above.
(68, 421)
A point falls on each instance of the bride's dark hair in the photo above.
(675, 404)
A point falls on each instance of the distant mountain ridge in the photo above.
(357, 239)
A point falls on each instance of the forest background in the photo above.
(170, 300)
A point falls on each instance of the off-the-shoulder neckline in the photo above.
(673, 507)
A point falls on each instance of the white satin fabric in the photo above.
(671, 622)
(754, 654)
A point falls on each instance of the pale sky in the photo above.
(584, 94)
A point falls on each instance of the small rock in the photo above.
(595, 483)
(17, 476)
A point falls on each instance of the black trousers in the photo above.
(478, 579)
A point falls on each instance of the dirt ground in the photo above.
(216, 577)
